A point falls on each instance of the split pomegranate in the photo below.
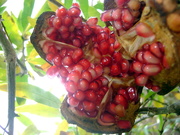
(104, 71)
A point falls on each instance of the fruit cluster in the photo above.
(102, 76)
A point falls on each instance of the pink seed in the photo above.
(139, 56)
(73, 102)
(77, 55)
(137, 66)
(107, 118)
(74, 76)
(67, 61)
(83, 84)
(86, 75)
(126, 16)
(124, 124)
(117, 25)
(93, 73)
(71, 86)
(90, 95)
(150, 58)
(115, 69)
(89, 106)
(85, 63)
(107, 16)
(144, 30)
(99, 70)
(151, 70)
(116, 14)
(78, 68)
(141, 80)
(79, 95)
(125, 66)
(154, 48)
(119, 99)
(92, 21)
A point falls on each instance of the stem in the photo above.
(10, 56)
(173, 108)
(56, 3)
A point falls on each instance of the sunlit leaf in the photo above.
(12, 29)
(2, 9)
(63, 126)
(36, 61)
(35, 93)
(84, 6)
(177, 95)
(160, 102)
(25, 120)
(20, 101)
(39, 109)
(94, 13)
(45, 66)
(2, 2)
(26, 12)
(52, 6)
(68, 3)
(32, 21)
(3, 75)
(31, 130)
(99, 5)
(83, 132)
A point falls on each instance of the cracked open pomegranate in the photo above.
(105, 70)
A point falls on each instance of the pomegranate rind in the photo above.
(168, 78)
(91, 124)
(37, 35)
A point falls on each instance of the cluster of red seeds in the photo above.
(85, 53)
(124, 16)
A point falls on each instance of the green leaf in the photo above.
(84, 6)
(39, 109)
(68, 3)
(3, 75)
(20, 101)
(99, 5)
(26, 12)
(12, 29)
(93, 12)
(35, 93)
(2, 9)
(2, 2)
(31, 130)
(25, 120)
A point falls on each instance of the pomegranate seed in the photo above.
(74, 76)
(71, 86)
(111, 108)
(155, 88)
(126, 16)
(119, 99)
(86, 30)
(86, 75)
(93, 73)
(67, 20)
(106, 61)
(117, 57)
(124, 93)
(89, 106)
(104, 47)
(90, 95)
(76, 5)
(93, 85)
(139, 56)
(77, 55)
(52, 71)
(115, 69)
(125, 66)
(107, 16)
(79, 95)
(63, 52)
(67, 61)
(151, 69)
(165, 62)
(77, 21)
(85, 63)
(150, 58)
(124, 124)
(144, 30)
(50, 57)
(83, 84)
(117, 25)
(137, 66)
(107, 118)
(96, 52)
(154, 48)
(77, 42)
(99, 70)
(50, 20)
(120, 111)
(63, 29)
(73, 102)
(78, 68)
(63, 72)
(60, 12)
(92, 21)
(57, 22)
(132, 93)
(102, 36)
(74, 11)
(57, 60)
(116, 14)
(141, 80)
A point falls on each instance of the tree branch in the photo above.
(173, 108)
(10, 56)
(56, 3)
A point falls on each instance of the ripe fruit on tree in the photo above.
(104, 70)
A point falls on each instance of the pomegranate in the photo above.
(104, 71)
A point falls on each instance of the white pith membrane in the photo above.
(132, 44)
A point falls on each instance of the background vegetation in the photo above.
(36, 104)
